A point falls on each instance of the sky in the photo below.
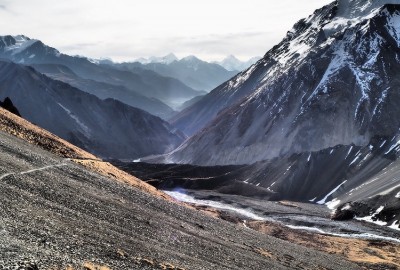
(124, 30)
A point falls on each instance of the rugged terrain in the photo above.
(316, 119)
(59, 215)
(327, 83)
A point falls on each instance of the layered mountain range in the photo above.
(192, 71)
(108, 128)
(150, 87)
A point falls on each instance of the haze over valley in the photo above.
(234, 158)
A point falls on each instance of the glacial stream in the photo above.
(299, 222)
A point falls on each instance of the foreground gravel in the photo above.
(55, 214)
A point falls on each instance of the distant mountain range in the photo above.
(107, 128)
(192, 71)
(151, 86)
(168, 59)
(145, 84)
(231, 63)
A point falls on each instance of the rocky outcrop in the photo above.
(9, 106)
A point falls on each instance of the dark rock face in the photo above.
(320, 87)
(343, 213)
(107, 128)
(9, 106)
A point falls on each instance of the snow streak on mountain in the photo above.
(332, 81)
(317, 118)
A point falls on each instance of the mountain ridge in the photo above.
(24, 50)
(108, 128)
(267, 122)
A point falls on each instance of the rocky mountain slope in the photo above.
(106, 90)
(9, 106)
(316, 118)
(24, 50)
(332, 81)
(59, 215)
(107, 128)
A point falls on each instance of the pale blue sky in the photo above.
(127, 29)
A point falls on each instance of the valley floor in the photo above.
(369, 245)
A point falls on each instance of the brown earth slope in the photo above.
(19, 127)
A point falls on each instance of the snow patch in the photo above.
(333, 204)
(380, 101)
(346, 207)
(352, 12)
(393, 147)
(395, 225)
(390, 190)
(382, 144)
(354, 160)
(180, 196)
(323, 201)
(352, 235)
(240, 79)
(393, 26)
(371, 217)
(83, 127)
(348, 153)
(21, 43)
(335, 65)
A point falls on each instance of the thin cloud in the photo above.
(125, 29)
(77, 46)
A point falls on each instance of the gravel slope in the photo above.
(55, 213)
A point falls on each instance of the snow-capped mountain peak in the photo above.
(16, 44)
(23, 49)
(232, 63)
(351, 9)
(344, 82)
(190, 58)
(167, 59)
(352, 12)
